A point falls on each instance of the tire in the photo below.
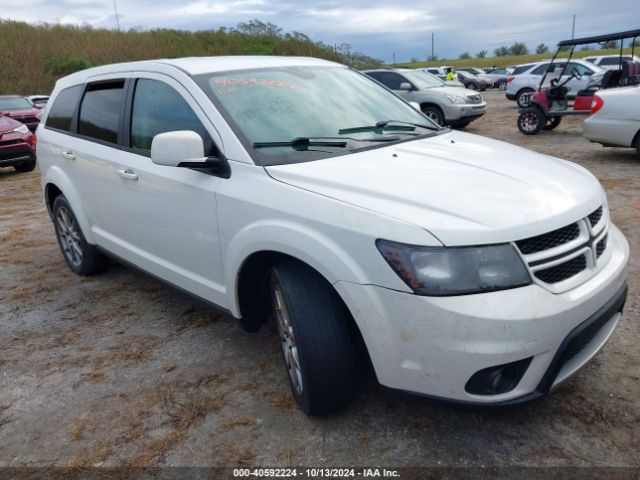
(502, 86)
(471, 86)
(638, 144)
(81, 257)
(524, 97)
(317, 346)
(435, 114)
(531, 121)
(552, 123)
(27, 166)
(460, 125)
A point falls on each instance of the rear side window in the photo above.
(391, 80)
(614, 60)
(159, 108)
(521, 69)
(61, 113)
(541, 69)
(101, 111)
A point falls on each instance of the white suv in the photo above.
(301, 190)
(525, 81)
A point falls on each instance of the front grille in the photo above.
(549, 240)
(595, 217)
(9, 142)
(14, 153)
(563, 271)
(602, 244)
(474, 99)
(27, 119)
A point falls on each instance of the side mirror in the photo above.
(173, 148)
(405, 86)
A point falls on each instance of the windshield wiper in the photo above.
(384, 125)
(301, 143)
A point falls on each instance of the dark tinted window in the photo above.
(543, 68)
(101, 110)
(374, 75)
(521, 69)
(391, 80)
(614, 60)
(158, 108)
(61, 113)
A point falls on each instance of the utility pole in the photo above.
(115, 9)
(394, 59)
(573, 27)
(432, 46)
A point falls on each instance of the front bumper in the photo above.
(454, 113)
(434, 345)
(16, 153)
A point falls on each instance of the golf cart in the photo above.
(550, 103)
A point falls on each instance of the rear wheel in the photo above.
(434, 113)
(531, 121)
(552, 123)
(317, 346)
(82, 257)
(27, 166)
(471, 86)
(524, 97)
(638, 144)
(502, 85)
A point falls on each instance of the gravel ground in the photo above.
(121, 370)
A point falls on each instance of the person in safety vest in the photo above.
(450, 75)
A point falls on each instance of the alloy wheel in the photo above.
(288, 340)
(69, 235)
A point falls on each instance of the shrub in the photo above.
(65, 64)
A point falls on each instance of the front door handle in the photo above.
(128, 174)
(69, 155)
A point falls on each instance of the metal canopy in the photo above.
(600, 38)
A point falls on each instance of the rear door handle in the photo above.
(69, 155)
(128, 174)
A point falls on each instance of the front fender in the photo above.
(292, 239)
(56, 176)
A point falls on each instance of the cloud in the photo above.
(376, 27)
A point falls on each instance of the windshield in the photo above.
(14, 103)
(282, 104)
(422, 79)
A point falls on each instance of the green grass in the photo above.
(33, 57)
(511, 60)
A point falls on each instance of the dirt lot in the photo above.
(120, 369)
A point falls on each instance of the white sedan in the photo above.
(615, 118)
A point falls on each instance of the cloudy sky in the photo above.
(375, 27)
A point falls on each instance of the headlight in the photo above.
(456, 99)
(440, 271)
(21, 129)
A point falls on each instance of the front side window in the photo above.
(391, 80)
(61, 114)
(101, 111)
(614, 60)
(521, 69)
(280, 104)
(159, 108)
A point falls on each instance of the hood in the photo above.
(462, 188)
(7, 124)
(449, 90)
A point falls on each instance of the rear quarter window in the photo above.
(61, 113)
(521, 69)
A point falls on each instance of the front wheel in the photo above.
(435, 114)
(531, 121)
(471, 86)
(317, 346)
(27, 166)
(82, 257)
(552, 123)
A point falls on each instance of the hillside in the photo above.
(511, 60)
(33, 57)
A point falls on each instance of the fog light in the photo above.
(498, 379)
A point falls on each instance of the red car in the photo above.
(17, 145)
(20, 109)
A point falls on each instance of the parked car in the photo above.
(479, 73)
(20, 109)
(465, 268)
(17, 145)
(611, 62)
(521, 85)
(38, 101)
(442, 76)
(471, 81)
(499, 77)
(443, 104)
(615, 118)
